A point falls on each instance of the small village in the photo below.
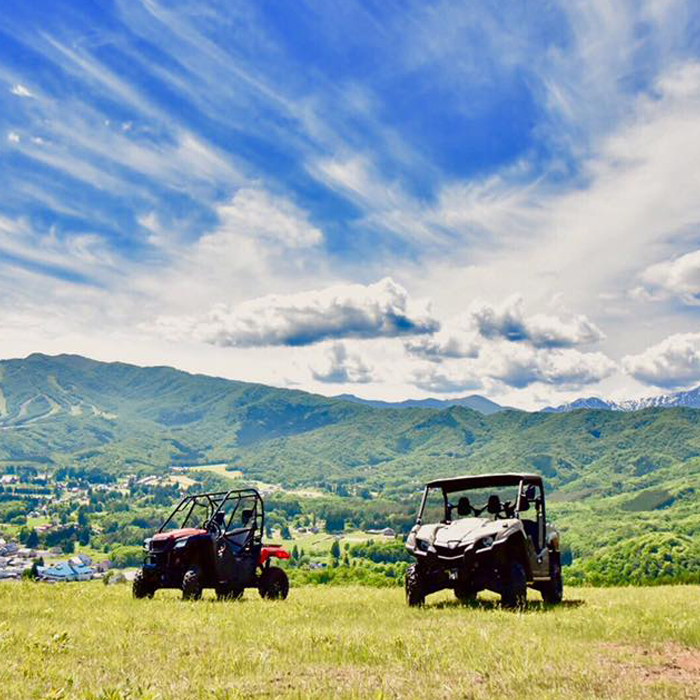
(59, 529)
(17, 561)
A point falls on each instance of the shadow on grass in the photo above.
(532, 605)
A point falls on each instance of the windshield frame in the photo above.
(431, 487)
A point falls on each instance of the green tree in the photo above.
(35, 566)
(32, 540)
(84, 536)
(24, 535)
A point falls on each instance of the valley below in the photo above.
(115, 445)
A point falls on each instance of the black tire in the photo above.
(465, 592)
(274, 584)
(229, 593)
(191, 585)
(553, 590)
(140, 587)
(514, 592)
(415, 592)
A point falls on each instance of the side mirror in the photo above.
(530, 492)
(464, 507)
(524, 504)
(246, 515)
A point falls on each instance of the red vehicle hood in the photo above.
(177, 534)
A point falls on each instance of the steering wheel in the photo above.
(214, 528)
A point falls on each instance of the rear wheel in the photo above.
(274, 584)
(514, 593)
(415, 592)
(191, 585)
(141, 588)
(553, 590)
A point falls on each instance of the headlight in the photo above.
(486, 542)
(423, 545)
(180, 544)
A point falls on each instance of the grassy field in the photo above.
(89, 641)
(322, 541)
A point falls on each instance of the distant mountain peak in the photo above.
(474, 401)
(687, 399)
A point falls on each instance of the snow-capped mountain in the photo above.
(689, 399)
(591, 402)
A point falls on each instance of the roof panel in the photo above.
(476, 481)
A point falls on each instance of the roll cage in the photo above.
(484, 481)
(220, 509)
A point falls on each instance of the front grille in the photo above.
(448, 552)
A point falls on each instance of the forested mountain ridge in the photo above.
(114, 413)
(71, 410)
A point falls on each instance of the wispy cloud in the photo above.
(19, 90)
(169, 160)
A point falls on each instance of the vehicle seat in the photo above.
(493, 505)
(464, 507)
(532, 531)
(237, 539)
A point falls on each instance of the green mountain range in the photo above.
(69, 409)
(612, 476)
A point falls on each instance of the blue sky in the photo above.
(392, 199)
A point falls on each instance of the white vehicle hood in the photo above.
(464, 530)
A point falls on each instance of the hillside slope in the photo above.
(71, 410)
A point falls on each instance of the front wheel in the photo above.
(141, 588)
(514, 593)
(191, 585)
(415, 592)
(553, 590)
(274, 584)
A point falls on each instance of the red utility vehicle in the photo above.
(213, 540)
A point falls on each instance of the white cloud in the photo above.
(678, 277)
(444, 345)
(508, 321)
(255, 213)
(21, 91)
(672, 363)
(514, 366)
(380, 310)
(519, 366)
(13, 137)
(340, 367)
(446, 380)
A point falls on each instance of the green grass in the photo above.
(322, 541)
(89, 641)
